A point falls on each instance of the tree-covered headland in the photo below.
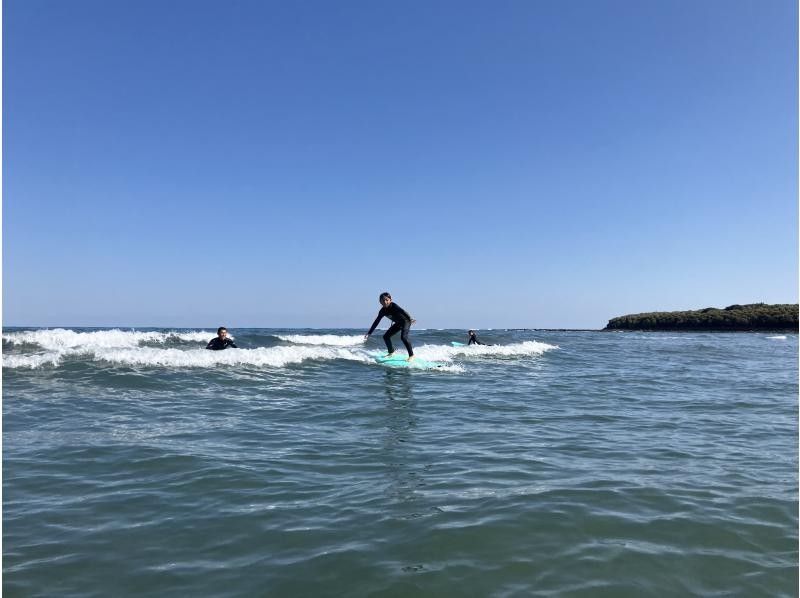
(752, 317)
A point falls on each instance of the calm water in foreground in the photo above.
(554, 464)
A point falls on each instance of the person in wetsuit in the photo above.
(401, 322)
(473, 339)
(221, 341)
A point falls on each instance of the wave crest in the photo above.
(128, 348)
(60, 339)
(335, 340)
(449, 353)
(262, 356)
(31, 361)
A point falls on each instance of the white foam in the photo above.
(123, 347)
(31, 361)
(448, 353)
(323, 339)
(438, 367)
(60, 339)
(778, 338)
(453, 368)
(200, 336)
(262, 356)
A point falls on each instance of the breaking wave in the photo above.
(60, 339)
(31, 361)
(35, 349)
(335, 340)
(262, 356)
(449, 353)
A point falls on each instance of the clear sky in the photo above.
(521, 163)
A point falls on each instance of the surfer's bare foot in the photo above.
(390, 354)
(410, 358)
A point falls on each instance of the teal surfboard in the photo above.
(401, 361)
(457, 344)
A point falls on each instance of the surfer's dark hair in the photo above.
(221, 328)
(384, 295)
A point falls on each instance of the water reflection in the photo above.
(397, 385)
(401, 459)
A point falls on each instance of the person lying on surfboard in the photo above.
(401, 322)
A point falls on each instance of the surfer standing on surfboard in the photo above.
(401, 321)
(473, 339)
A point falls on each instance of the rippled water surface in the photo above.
(552, 464)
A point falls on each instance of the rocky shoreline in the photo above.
(759, 317)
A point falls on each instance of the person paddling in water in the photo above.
(401, 322)
(221, 341)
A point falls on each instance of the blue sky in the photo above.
(492, 164)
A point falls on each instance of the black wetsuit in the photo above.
(473, 340)
(218, 344)
(401, 322)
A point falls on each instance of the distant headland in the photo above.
(734, 318)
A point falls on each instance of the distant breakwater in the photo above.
(734, 318)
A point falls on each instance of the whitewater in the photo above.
(184, 349)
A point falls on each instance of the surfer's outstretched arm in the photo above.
(374, 324)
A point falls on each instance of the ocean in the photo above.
(553, 463)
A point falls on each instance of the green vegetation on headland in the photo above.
(756, 316)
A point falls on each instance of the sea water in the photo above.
(135, 462)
